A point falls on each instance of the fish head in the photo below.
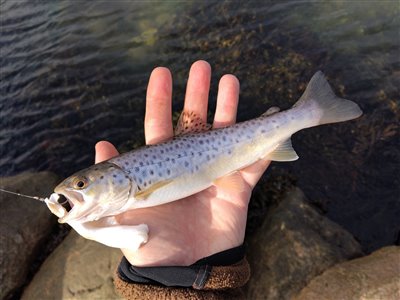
(98, 191)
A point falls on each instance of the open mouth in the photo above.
(62, 200)
(67, 204)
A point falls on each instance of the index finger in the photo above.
(158, 117)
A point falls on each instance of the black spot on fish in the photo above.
(186, 164)
(137, 169)
(262, 130)
(101, 177)
(151, 172)
(201, 142)
(168, 171)
(126, 176)
(173, 160)
(145, 183)
(114, 176)
(141, 164)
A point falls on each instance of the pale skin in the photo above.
(208, 222)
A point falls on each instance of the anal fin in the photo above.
(284, 152)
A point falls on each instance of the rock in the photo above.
(294, 244)
(24, 226)
(376, 276)
(77, 269)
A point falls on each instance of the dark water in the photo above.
(73, 73)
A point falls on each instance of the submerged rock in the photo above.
(24, 226)
(77, 269)
(294, 244)
(376, 276)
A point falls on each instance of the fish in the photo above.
(193, 160)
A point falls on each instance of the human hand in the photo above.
(184, 231)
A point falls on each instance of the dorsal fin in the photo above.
(284, 152)
(272, 110)
(189, 122)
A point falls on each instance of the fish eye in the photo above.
(80, 183)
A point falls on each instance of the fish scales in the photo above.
(211, 154)
(190, 153)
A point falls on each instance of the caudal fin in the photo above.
(331, 109)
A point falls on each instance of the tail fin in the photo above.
(332, 108)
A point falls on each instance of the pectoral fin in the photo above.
(143, 194)
(284, 152)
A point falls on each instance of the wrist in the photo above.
(218, 273)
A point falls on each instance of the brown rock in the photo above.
(77, 269)
(376, 276)
(294, 244)
(24, 226)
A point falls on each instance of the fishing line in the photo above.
(22, 195)
(32, 197)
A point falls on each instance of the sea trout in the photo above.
(187, 164)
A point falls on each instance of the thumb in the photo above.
(104, 150)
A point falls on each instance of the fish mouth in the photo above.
(64, 202)
(71, 201)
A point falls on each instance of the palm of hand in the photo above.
(208, 222)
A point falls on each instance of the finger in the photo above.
(198, 88)
(158, 117)
(227, 101)
(104, 151)
(253, 173)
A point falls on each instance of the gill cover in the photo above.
(98, 191)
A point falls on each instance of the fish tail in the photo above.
(321, 100)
